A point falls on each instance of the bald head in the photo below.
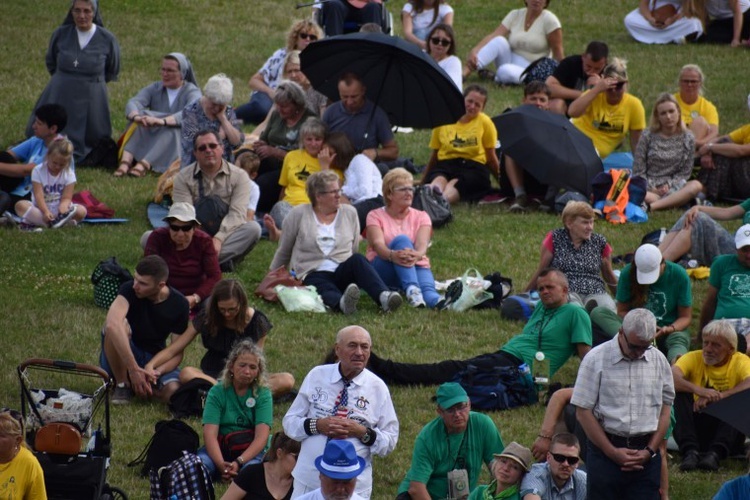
(353, 345)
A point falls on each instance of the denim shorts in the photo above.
(141, 357)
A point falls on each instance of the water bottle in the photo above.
(541, 369)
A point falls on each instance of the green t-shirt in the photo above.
(436, 453)
(561, 329)
(485, 493)
(671, 291)
(746, 207)
(235, 413)
(732, 280)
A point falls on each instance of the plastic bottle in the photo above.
(541, 369)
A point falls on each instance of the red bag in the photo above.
(95, 209)
(275, 277)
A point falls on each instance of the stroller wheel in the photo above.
(113, 493)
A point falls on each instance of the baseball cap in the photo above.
(742, 236)
(449, 394)
(648, 261)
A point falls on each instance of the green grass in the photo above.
(45, 291)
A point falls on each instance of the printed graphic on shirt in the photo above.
(459, 142)
(303, 174)
(739, 285)
(657, 304)
(610, 123)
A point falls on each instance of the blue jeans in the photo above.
(606, 480)
(401, 277)
(256, 109)
(355, 269)
(213, 471)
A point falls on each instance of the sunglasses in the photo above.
(619, 85)
(308, 36)
(184, 229)
(564, 458)
(204, 147)
(445, 42)
(635, 347)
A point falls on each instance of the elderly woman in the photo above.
(211, 112)
(398, 237)
(664, 157)
(523, 36)
(607, 112)
(583, 255)
(663, 21)
(264, 82)
(156, 112)
(508, 469)
(441, 45)
(188, 251)
(419, 17)
(320, 242)
(463, 154)
(82, 57)
(241, 402)
(21, 476)
(698, 113)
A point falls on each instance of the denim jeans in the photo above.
(256, 109)
(213, 472)
(402, 278)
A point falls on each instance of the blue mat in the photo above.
(156, 213)
(104, 221)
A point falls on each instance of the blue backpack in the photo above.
(500, 388)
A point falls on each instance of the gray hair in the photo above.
(288, 91)
(640, 322)
(318, 182)
(312, 126)
(219, 89)
(721, 328)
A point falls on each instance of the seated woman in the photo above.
(270, 479)
(157, 112)
(508, 469)
(319, 243)
(442, 47)
(419, 17)
(663, 21)
(660, 286)
(725, 164)
(727, 21)
(698, 234)
(463, 154)
(398, 237)
(264, 82)
(213, 112)
(664, 157)
(698, 113)
(280, 136)
(188, 251)
(21, 475)
(523, 36)
(226, 320)
(241, 402)
(607, 112)
(584, 256)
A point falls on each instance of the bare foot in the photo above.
(274, 233)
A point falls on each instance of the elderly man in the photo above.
(458, 439)
(145, 312)
(728, 295)
(220, 193)
(339, 467)
(701, 378)
(342, 401)
(558, 478)
(624, 394)
(366, 126)
(575, 74)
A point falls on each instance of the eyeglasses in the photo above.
(690, 82)
(564, 458)
(636, 347)
(184, 229)
(204, 147)
(404, 189)
(229, 310)
(308, 36)
(445, 42)
(459, 408)
(333, 191)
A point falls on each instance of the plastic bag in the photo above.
(473, 291)
(300, 299)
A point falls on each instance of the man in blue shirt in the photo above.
(558, 478)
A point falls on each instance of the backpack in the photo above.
(190, 398)
(107, 278)
(519, 307)
(539, 70)
(170, 439)
(185, 477)
(95, 209)
(500, 388)
(500, 288)
(436, 206)
(103, 154)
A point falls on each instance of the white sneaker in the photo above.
(415, 298)
(390, 301)
(348, 301)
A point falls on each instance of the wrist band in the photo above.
(311, 426)
(544, 437)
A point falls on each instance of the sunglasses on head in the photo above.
(619, 85)
(441, 41)
(308, 36)
(204, 147)
(564, 458)
(184, 229)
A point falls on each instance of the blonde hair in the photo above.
(11, 426)
(306, 25)
(245, 347)
(697, 69)
(62, 147)
(392, 179)
(617, 68)
(575, 209)
(655, 124)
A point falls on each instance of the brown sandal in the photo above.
(139, 170)
(123, 169)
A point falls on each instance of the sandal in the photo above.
(123, 169)
(139, 170)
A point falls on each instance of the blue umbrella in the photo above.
(404, 81)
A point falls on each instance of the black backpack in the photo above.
(190, 399)
(500, 388)
(186, 477)
(107, 277)
(170, 439)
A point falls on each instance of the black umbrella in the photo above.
(733, 410)
(404, 81)
(549, 147)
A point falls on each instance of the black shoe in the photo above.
(690, 461)
(709, 462)
(227, 267)
(452, 293)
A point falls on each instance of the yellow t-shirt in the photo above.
(721, 378)
(702, 107)
(741, 135)
(298, 166)
(607, 125)
(465, 140)
(23, 478)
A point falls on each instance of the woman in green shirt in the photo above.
(508, 470)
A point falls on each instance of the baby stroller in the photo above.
(58, 421)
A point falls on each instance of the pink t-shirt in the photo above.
(547, 243)
(392, 228)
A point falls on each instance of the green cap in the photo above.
(449, 394)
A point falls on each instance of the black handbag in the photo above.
(210, 210)
(232, 445)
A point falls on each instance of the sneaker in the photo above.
(690, 461)
(348, 301)
(415, 298)
(709, 462)
(451, 295)
(390, 301)
(122, 394)
(63, 219)
(9, 219)
(520, 205)
(29, 228)
(492, 199)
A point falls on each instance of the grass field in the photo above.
(45, 292)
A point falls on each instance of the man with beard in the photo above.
(558, 478)
(700, 379)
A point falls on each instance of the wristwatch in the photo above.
(651, 452)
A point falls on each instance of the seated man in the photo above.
(457, 439)
(339, 467)
(337, 12)
(701, 378)
(370, 133)
(211, 178)
(725, 161)
(562, 329)
(559, 476)
(575, 74)
(728, 295)
(145, 312)
(17, 163)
